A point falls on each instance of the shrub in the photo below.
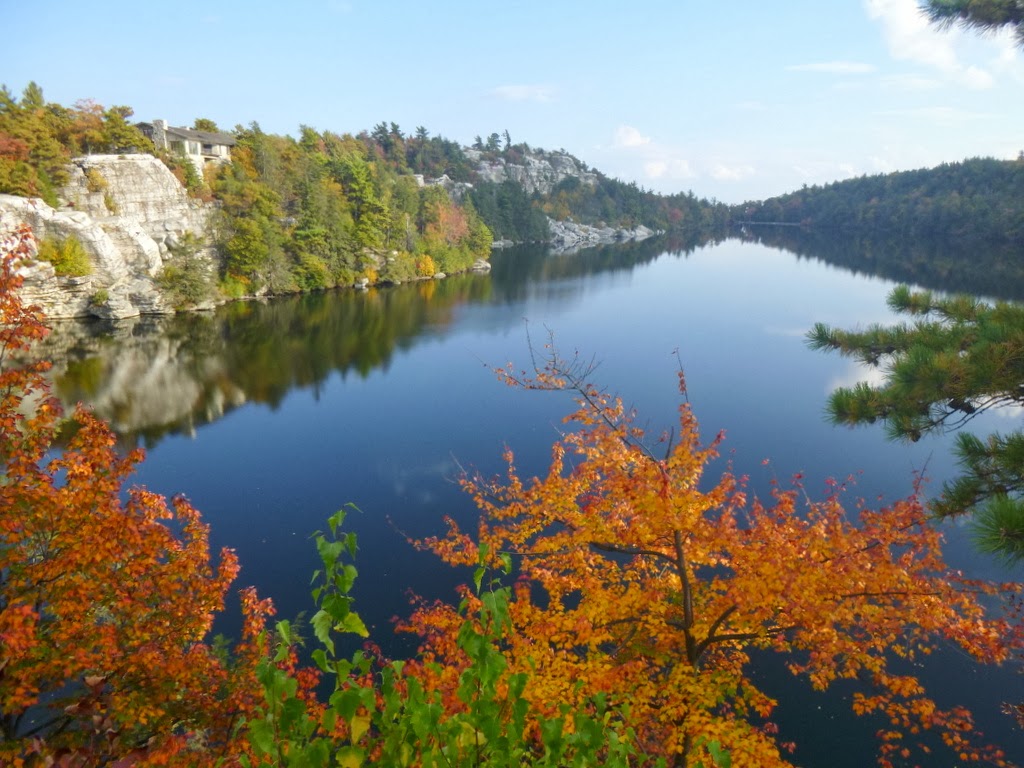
(186, 278)
(95, 181)
(234, 286)
(425, 267)
(311, 273)
(68, 256)
(186, 173)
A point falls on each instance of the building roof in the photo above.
(205, 137)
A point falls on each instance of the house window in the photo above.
(193, 147)
(178, 146)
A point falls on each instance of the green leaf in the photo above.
(261, 735)
(352, 623)
(719, 755)
(345, 702)
(322, 624)
(320, 659)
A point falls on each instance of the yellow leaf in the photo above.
(350, 757)
(359, 725)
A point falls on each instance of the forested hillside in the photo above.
(330, 208)
(978, 199)
(513, 211)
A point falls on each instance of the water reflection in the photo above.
(163, 375)
(151, 376)
(154, 376)
(981, 269)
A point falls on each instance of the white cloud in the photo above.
(538, 92)
(881, 164)
(910, 37)
(680, 168)
(655, 169)
(634, 155)
(628, 136)
(731, 172)
(856, 373)
(977, 78)
(1009, 412)
(834, 67)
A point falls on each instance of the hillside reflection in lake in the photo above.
(254, 413)
(979, 268)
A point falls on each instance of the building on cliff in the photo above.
(201, 147)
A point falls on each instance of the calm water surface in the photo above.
(271, 416)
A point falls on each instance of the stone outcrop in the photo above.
(128, 211)
(568, 235)
(536, 172)
(456, 189)
(540, 172)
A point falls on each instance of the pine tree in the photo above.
(959, 358)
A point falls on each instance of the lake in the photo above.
(269, 416)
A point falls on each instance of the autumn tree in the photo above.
(107, 592)
(34, 162)
(85, 133)
(453, 235)
(642, 581)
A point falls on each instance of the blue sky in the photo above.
(737, 101)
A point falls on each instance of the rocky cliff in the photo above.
(537, 171)
(534, 171)
(129, 212)
(569, 236)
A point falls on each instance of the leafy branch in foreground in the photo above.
(107, 593)
(380, 714)
(958, 359)
(643, 582)
(982, 15)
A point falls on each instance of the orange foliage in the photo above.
(13, 148)
(640, 579)
(447, 223)
(106, 596)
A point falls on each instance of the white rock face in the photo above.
(570, 236)
(125, 210)
(537, 173)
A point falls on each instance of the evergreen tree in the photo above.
(961, 357)
(983, 15)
